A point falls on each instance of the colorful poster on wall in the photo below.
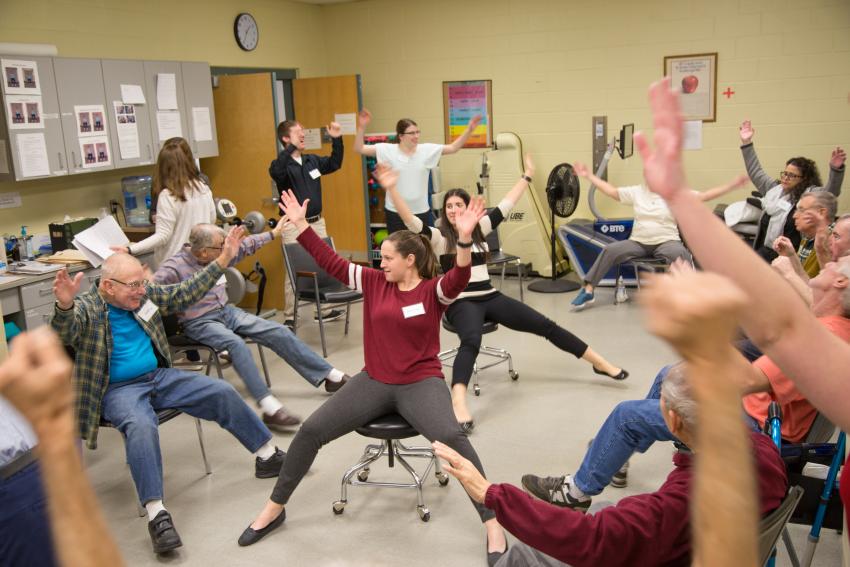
(461, 101)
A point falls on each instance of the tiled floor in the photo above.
(540, 423)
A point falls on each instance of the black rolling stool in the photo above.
(390, 429)
(500, 354)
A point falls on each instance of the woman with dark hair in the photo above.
(480, 301)
(779, 197)
(413, 162)
(403, 304)
(182, 200)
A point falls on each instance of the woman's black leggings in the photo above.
(468, 316)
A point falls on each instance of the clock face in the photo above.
(246, 31)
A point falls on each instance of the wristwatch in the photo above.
(527, 178)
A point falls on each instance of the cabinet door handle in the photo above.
(44, 292)
(74, 159)
(61, 161)
(150, 153)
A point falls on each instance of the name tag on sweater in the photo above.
(413, 310)
(221, 280)
(147, 311)
(314, 173)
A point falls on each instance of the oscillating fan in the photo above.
(562, 193)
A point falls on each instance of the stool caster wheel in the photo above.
(514, 375)
(424, 513)
(339, 507)
(363, 475)
(477, 390)
(442, 478)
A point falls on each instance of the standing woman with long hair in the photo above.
(413, 161)
(779, 197)
(182, 201)
(402, 306)
(480, 301)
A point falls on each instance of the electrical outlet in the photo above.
(113, 206)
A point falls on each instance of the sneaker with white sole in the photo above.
(555, 490)
(331, 315)
(621, 477)
(582, 300)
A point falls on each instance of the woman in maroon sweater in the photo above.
(403, 304)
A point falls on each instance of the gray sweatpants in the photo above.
(624, 250)
(426, 405)
(522, 555)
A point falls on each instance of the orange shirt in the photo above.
(797, 413)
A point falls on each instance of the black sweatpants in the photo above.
(468, 316)
(426, 405)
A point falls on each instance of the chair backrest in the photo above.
(297, 259)
(493, 242)
(771, 526)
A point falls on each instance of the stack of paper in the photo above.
(33, 267)
(69, 256)
(95, 242)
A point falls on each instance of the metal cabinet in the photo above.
(117, 72)
(57, 158)
(80, 83)
(152, 70)
(197, 87)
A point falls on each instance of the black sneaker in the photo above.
(621, 477)
(331, 315)
(290, 323)
(554, 490)
(269, 468)
(163, 535)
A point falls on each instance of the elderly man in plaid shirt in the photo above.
(123, 374)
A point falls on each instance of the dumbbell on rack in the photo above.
(254, 222)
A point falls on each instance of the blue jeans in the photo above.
(131, 408)
(224, 328)
(24, 527)
(634, 425)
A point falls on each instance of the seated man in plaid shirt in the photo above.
(123, 374)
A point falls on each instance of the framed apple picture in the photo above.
(695, 76)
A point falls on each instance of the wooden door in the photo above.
(344, 206)
(245, 124)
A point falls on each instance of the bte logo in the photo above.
(613, 228)
(516, 216)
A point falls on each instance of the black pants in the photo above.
(468, 316)
(394, 222)
(426, 405)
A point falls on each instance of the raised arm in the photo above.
(69, 319)
(520, 186)
(836, 171)
(760, 179)
(456, 146)
(329, 164)
(363, 120)
(721, 190)
(608, 189)
(387, 177)
(772, 316)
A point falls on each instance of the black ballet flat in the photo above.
(494, 556)
(251, 536)
(621, 376)
(466, 426)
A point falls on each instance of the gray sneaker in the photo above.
(554, 490)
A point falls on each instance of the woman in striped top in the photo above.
(480, 301)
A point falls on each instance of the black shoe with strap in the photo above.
(163, 534)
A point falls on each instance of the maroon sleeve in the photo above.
(452, 283)
(350, 274)
(638, 531)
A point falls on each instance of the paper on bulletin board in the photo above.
(32, 151)
(168, 125)
(4, 161)
(166, 91)
(693, 135)
(24, 112)
(132, 94)
(312, 138)
(20, 77)
(91, 120)
(347, 121)
(95, 151)
(128, 131)
(201, 123)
